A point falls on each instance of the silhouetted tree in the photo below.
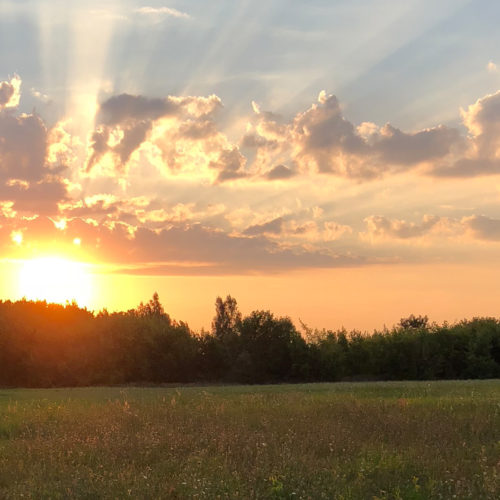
(270, 347)
(44, 344)
(227, 318)
(414, 322)
(153, 309)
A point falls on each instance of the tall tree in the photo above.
(227, 318)
(153, 309)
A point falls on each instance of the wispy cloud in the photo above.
(492, 67)
(162, 11)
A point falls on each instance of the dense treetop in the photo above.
(44, 344)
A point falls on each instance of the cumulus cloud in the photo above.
(184, 133)
(400, 148)
(481, 155)
(29, 178)
(169, 126)
(322, 140)
(10, 93)
(230, 165)
(161, 188)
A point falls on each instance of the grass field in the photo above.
(349, 440)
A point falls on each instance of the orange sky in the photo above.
(361, 298)
(327, 165)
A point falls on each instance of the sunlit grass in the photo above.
(368, 440)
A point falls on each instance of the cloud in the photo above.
(279, 172)
(482, 227)
(230, 165)
(274, 226)
(483, 121)
(322, 140)
(481, 154)
(379, 227)
(333, 231)
(289, 228)
(10, 93)
(162, 12)
(492, 67)
(167, 191)
(468, 167)
(177, 249)
(23, 147)
(40, 96)
(126, 122)
(177, 133)
(125, 107)
(30, 178)
(399, 148)
(42, 197)
(229, 253)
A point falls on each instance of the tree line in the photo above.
(45, 345)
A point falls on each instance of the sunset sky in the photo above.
(336, 161)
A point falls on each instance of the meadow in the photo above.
(374, 440)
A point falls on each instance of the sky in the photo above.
(334, 161)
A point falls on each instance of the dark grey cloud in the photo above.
(26, 178)
(484, 228)
(400, 148)
(99, 146)
(230, 165)
(226, 253)
(181, 249)
(125, 107)
(274, 226)
(133, 137)
(257, 141)
(23, 147)
(280, 172)
(197, 130)
(39, 198)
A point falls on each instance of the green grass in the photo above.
(411, 440)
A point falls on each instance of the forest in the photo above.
(51, 345)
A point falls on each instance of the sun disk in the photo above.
(55, 279)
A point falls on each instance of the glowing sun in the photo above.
(55, 280)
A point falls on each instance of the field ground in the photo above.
(405, 440)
